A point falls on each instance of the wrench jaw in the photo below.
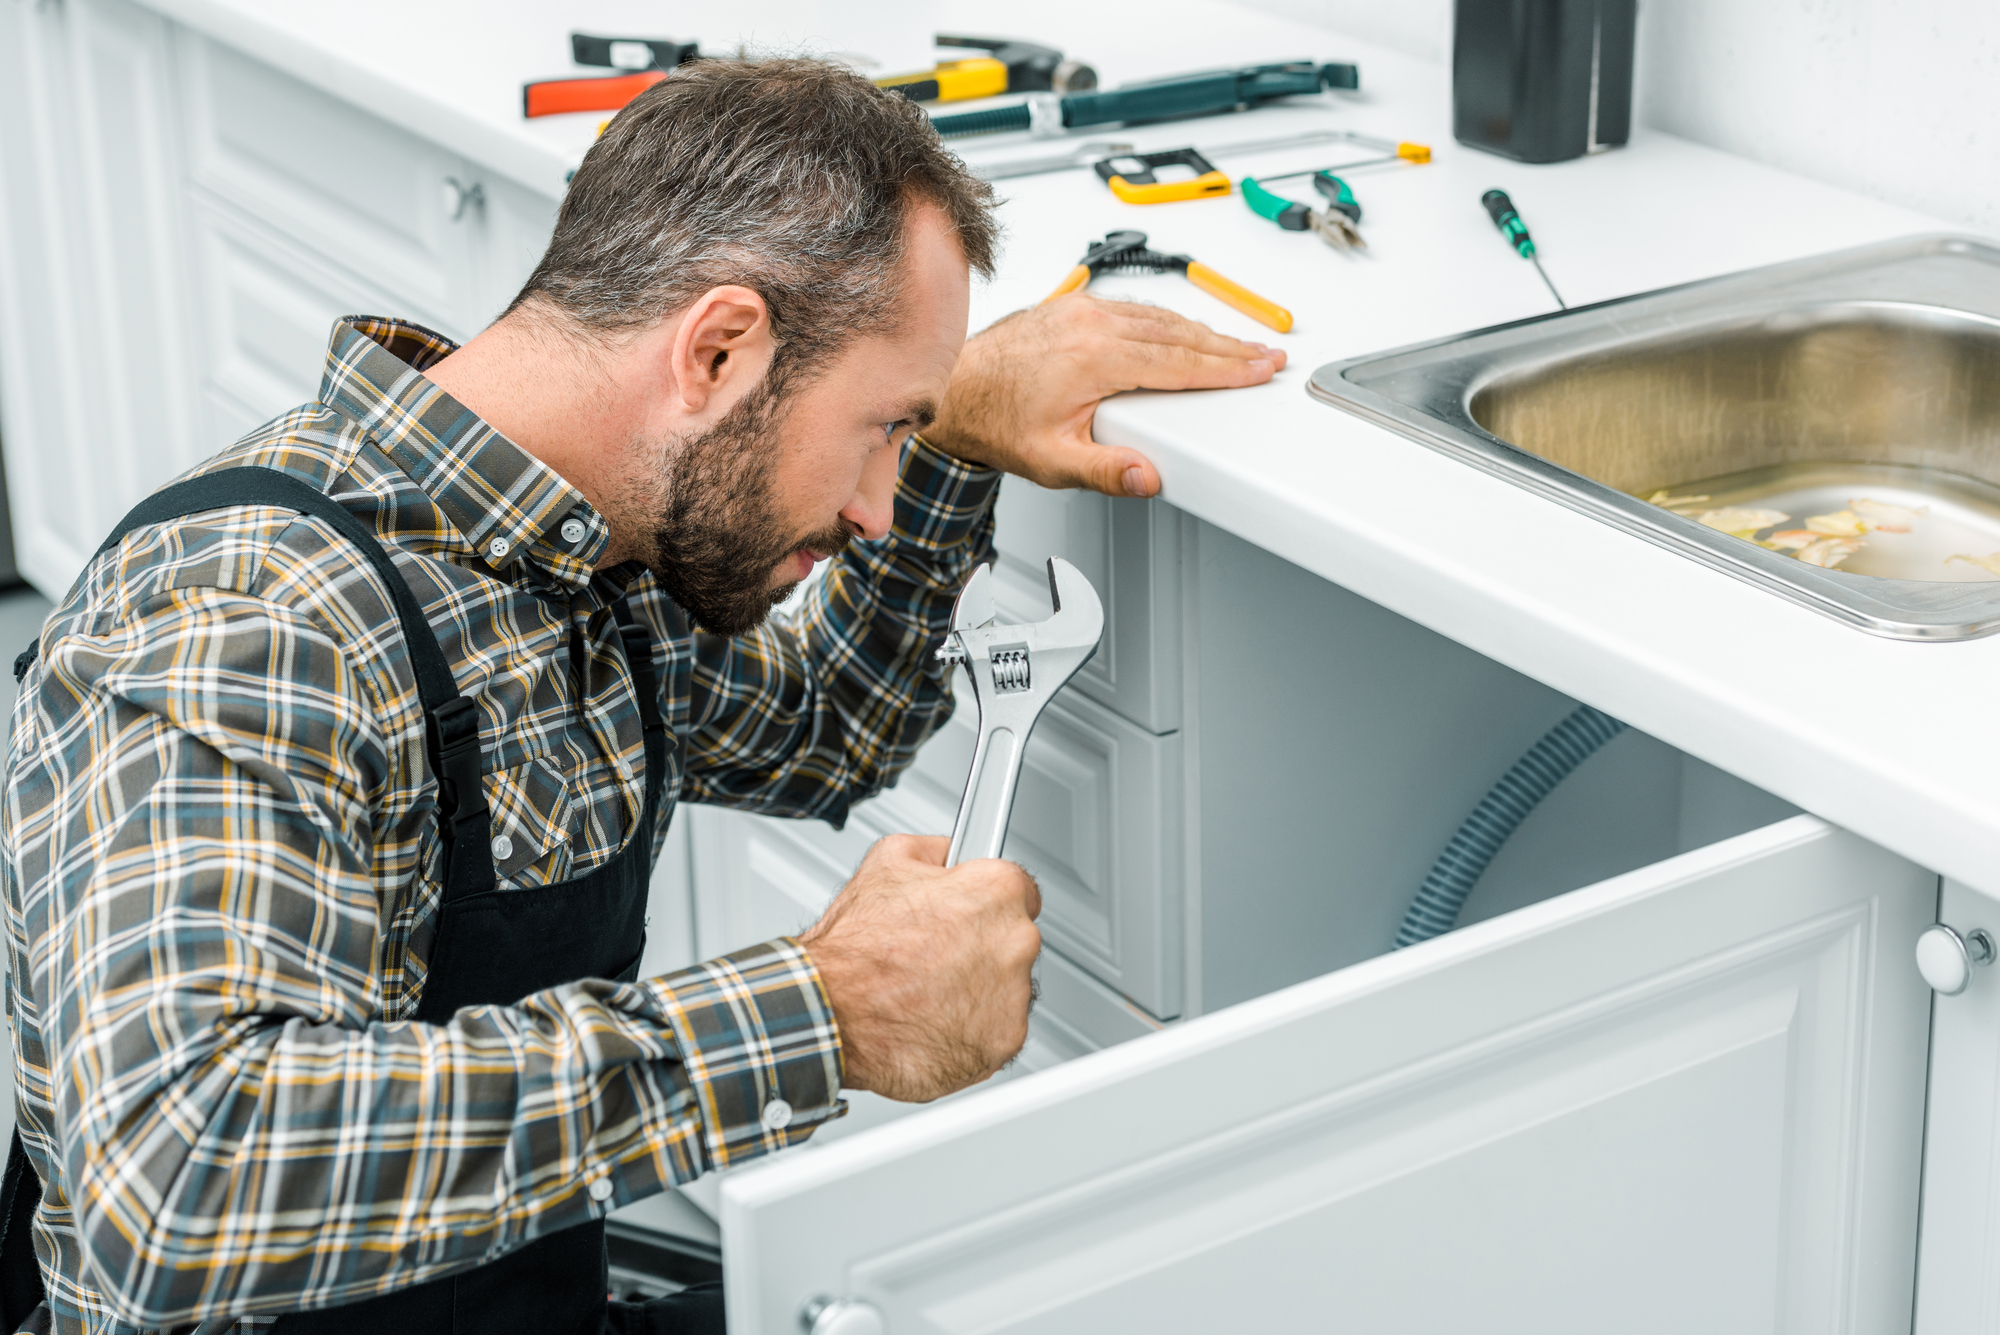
(1015, 671)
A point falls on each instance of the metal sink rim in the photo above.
(1897, 609)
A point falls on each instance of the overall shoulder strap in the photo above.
(451, 722)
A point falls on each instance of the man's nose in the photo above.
(874, 502)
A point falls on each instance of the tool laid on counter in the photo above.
(1007, 67)
(1508, 220)
(1086, 155)
(1131, 178)
(1015, 672)
(1125, 251)
(1337, 224)
(646, 58)
(1203, 94)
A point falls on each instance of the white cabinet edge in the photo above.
(516, 156)
(759, 1184)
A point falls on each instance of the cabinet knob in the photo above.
(1946, 958)
(458, 197)
(841, 1316)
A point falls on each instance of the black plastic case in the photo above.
(1543, 80)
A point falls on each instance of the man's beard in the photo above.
(719, 535)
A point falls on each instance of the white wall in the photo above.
(1894, 98)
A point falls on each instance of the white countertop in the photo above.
(1889, 739)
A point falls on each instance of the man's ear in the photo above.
(722, 347)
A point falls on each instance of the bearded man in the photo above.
(338, 777)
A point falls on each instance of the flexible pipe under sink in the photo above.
(1530, 779)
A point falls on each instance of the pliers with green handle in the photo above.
(1335, 223)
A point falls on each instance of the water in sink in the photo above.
(1963, 518)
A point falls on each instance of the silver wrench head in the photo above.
(1079, 615)
(1036, 656)
(975, 601)
(1015, 670)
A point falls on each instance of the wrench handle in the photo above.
(989, 796)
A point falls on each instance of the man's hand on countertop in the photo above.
(928, 969)
(1026, 390)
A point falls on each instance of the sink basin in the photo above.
(1868, 376)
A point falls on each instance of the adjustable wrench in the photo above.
(1015, 671)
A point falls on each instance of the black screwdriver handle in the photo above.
(1501, 210)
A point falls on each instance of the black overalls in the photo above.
(492, 947)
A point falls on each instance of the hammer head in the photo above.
(1031, 67)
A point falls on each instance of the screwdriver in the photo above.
(1501, 210)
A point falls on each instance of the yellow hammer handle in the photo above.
(1075, 279)
(1242, 298)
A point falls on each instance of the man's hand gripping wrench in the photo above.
(1015, 671)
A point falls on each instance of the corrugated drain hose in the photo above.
(1533, 777)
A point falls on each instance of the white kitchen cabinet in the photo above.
(1130, 552)
(267, 306)
(1689, 1098)
(1958, 1264)
(366, 195)
(97, 402)
(1099, 819)
(180, 225)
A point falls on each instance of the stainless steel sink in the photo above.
(1870, 374)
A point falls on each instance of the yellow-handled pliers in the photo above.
(1126, 250)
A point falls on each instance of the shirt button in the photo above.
(573, 531)
(777, 1114)
(498, 549)
(601, 1189)
(503, 848)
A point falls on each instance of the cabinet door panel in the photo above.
(1094, 820)
(94, 327)
(1097, 819)
(1129, 550)
(1689, 1098)
(515, 226)
(348, 185)
(1958, 1268)
(269, 310)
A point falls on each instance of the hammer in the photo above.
(1007, 67)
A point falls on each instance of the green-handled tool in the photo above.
(1334, 224)
(1505, 217)
(1049, 114)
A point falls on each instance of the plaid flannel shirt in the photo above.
(221, 864)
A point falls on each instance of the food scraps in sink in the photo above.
(1829, 552)
(1886, 517)
(1840, 524)
(1989, 563)
(1743, 521)
(1825, 541)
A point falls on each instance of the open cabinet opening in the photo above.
(1674, 1048)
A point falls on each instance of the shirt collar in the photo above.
(508, 504)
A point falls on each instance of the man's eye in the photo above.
(889, 430)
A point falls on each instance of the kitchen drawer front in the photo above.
(757, 877)
(267, 310)
(1687, 1098)
(1098, 819)
(514, 226)
(1130, 552)
(341, 182)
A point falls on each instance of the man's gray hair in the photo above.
(793, 178)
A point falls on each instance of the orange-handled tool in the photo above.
(1127, 250)
(1074, 279)
(1241, 297)
(552, 97)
